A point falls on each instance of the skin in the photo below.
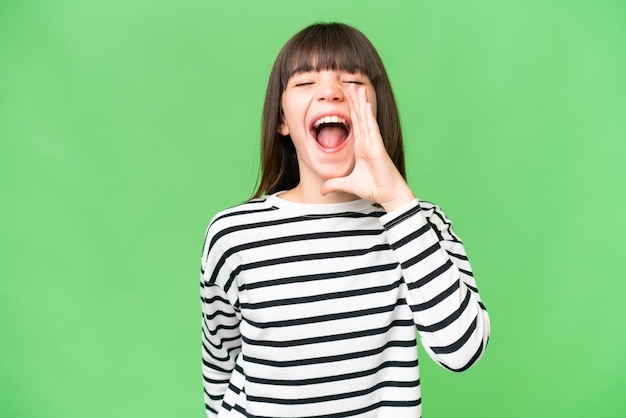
(361, 168)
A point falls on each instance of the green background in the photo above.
(126, 125)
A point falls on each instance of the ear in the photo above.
(283, 129)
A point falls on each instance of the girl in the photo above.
(312, 291)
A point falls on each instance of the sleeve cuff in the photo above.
(390, 219)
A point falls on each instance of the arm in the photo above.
(453, 323)
(221, 340)
(451, 320)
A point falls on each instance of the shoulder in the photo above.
(228, 222)
(242, 213)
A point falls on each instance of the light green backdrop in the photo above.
(125, 125)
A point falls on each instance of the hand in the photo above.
(374, 177)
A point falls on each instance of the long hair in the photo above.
(319, 47)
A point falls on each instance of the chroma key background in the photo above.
(125, 125)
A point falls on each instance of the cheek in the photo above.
(289, 106)
(283, 128)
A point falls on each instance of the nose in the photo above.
(331, 91)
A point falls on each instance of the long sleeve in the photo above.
(453, 323)
(311, 310)
(221, 339)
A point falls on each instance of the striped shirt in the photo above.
(311, 310)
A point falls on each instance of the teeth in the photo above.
(329, 119)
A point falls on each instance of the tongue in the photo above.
(331, 136)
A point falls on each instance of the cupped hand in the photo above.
(374, 177)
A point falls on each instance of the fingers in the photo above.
(354, 112)
(362, 106)
(367, 113)
(370, 119)
(364, 121)
(359, 123)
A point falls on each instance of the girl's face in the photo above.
(316, 114)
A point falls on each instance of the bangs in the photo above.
(329, 47)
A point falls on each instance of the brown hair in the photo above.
(322, 46)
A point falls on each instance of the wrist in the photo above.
(400, 198)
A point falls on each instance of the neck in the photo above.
(311, 194)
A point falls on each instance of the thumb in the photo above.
(337, 184)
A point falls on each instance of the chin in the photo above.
(338, 170)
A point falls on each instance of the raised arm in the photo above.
(453, 323)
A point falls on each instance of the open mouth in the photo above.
(330, 132)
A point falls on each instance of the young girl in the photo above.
(313, 290)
